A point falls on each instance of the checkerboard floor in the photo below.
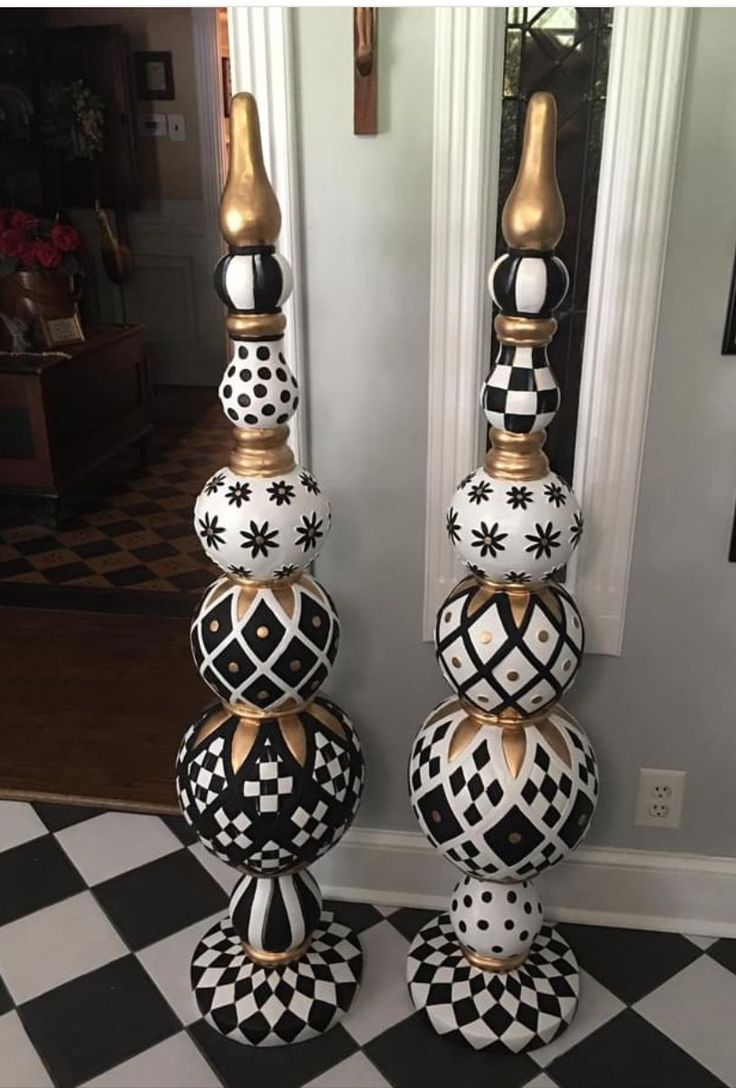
(133, 549)
(100, 912)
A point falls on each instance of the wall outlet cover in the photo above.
(152, 124)
(659, 797)
(177, 128)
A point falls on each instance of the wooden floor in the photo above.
(93, 707)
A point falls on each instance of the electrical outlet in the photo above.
(659, 798)
(152, 124)
(177, 128)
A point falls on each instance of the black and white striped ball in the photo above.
(276, 914)
(255, 279)
(524, 285)
(258, 388)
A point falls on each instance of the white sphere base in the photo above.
(513, 1011)
(273, 1006)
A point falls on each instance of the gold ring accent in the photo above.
(517, 456)
(261, 715)
(254, 326)
(261, 452)
(502, 720)
(493, 963)
(276, 959)
(525, 332)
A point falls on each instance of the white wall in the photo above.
(670, 700)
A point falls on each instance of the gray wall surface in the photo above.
(670, 699)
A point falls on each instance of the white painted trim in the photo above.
(468, 69)
(262, 62)
(649, 51)
(678, 893)
(208, 80)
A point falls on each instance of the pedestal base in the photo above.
(516, 1010)
(270, 1006)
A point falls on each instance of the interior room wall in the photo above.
(669, 700)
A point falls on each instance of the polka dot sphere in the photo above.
(258, 389)
(498, 920)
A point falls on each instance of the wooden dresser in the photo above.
(65, 418)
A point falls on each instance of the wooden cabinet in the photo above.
(64, 418)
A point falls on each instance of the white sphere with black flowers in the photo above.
(258, 388)
(510, 531)
(262, 528)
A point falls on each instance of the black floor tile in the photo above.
(409, 920)
(157, 899)
(724, 952)
(57, 817)
(97, 1021)
(628, 1052)
(181, 829)
(35, 875)
(358, 916)
(630, 962)
(6, 1001)
(412, 1055)
(240, 1066)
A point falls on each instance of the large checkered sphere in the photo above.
(265, 647)
(521, 393)
(496, 920)
(526, 286)
(272, 794)
(258, 389)
(510, 651)
(514, 532)
(262, 527)
(256, 281)
(503, 803)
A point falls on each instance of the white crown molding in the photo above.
(262, 62)
(676, 893)
(649, 51)
(468, 69)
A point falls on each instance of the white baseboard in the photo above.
(635, 889)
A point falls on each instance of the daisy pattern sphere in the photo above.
(274, 794)
(502, 803)
(265, 648)
(495, 920)
(258, 389)
(514, 531)
(262, 527)
(509, 651)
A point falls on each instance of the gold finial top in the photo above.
(534, 215)
(249, 211)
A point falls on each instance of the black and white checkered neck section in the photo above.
(521, 393)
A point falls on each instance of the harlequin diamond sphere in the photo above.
(271, 794)
(514, 532)
(262, 527)
(265, 647)
(496, 920)
(510, 651)
(502, 802)
(258, 389)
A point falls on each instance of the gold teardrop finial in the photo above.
(534, 215)
(249, 211)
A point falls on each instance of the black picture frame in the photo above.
(728, 347)
(154, 90)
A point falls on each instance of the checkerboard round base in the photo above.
(512, 1011)
(272, 1006)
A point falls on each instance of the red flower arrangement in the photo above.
(30, 244)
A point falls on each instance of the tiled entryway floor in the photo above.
(100, 912)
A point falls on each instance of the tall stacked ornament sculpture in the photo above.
(502, 779)
(271, 776)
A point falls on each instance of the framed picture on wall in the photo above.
(154, 76)
(729, 333)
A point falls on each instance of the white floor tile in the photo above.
(542, 1081)
(355, 1072)
(697, 1008)
(168, 962)
(701, 942)
(383, 998)
(115, 842)
(19, 823)
(175, 1063)
(597, 1005)
(20, 1066)
(55, 944)
(225, 875)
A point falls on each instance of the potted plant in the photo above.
(39, 259)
